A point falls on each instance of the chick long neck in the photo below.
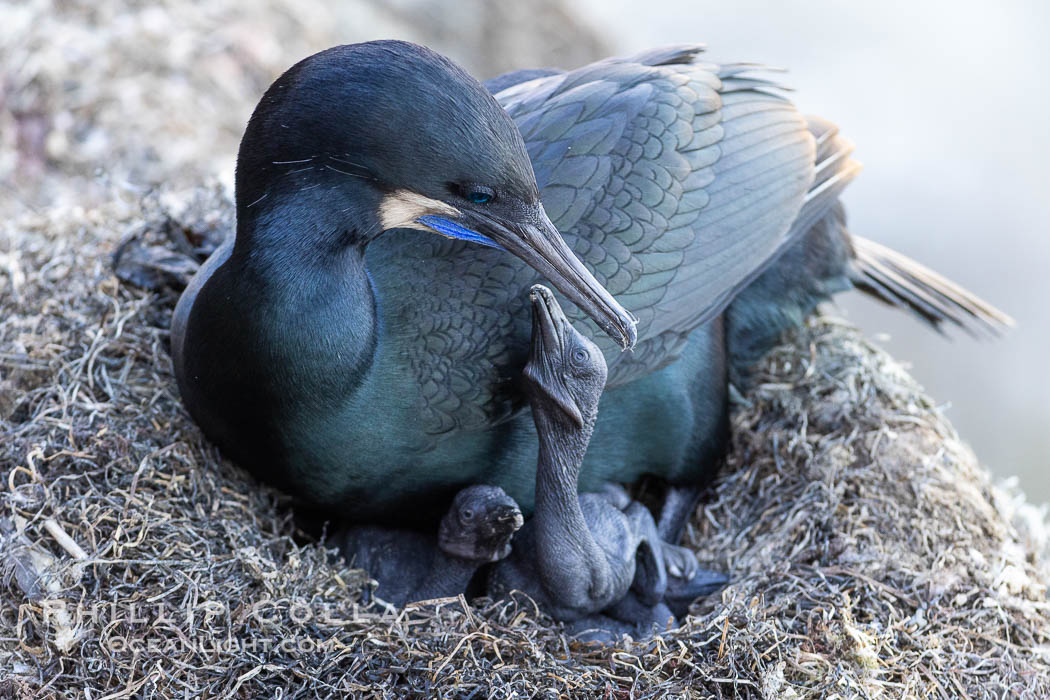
(564, 539)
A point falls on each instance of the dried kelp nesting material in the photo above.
(870, 555)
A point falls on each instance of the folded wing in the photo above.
(675, 181)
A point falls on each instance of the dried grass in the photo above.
(870, 555)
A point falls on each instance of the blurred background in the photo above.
(947, 101)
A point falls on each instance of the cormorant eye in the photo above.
(467, 514)
(580, 355)
(480, 195)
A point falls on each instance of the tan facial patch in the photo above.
(401, 208)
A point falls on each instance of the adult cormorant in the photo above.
(361, 340)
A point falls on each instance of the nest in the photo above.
(870, 555)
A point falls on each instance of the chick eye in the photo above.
(480, 195)
(580, 355)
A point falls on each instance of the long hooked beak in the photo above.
(536, 241)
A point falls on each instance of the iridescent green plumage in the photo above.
(377, 372)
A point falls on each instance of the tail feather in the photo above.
(900, 281)
(820, 258)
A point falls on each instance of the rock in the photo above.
(115, 93)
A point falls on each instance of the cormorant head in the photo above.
(388, 134)
(480, 524)
(566, 372)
